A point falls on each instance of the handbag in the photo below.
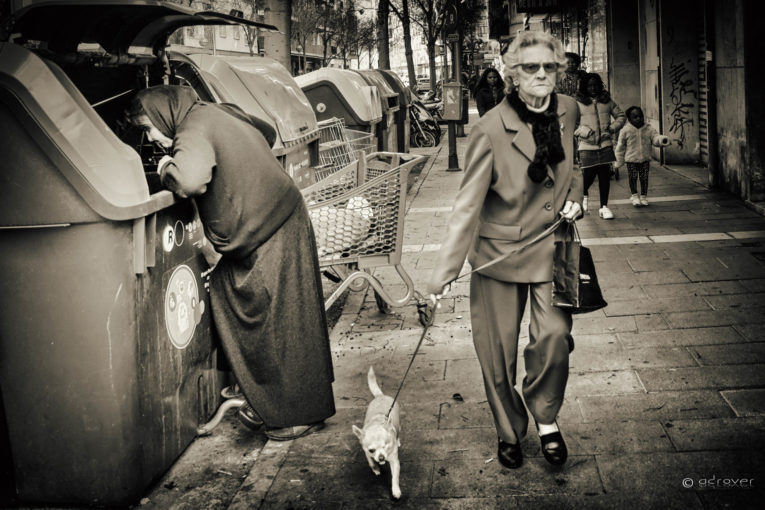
(575, 283)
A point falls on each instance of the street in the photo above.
(665, 404)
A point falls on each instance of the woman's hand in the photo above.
(437, 297)
(571, 211)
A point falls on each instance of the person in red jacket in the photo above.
(265, 291)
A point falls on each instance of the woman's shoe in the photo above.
(249, 417)
(554, 448)
(605, 213)
(635, 200)
(510, 455)
(287, 433)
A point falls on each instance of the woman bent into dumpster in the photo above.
(265, 291)
(519, 178)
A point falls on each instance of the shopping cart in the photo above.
(358, 218)
(338, 146)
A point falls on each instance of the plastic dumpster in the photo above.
(387, 129)
(107, 359)
(403, 129)
(337, 93)
(262, 87)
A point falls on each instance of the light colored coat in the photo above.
(596, 130)
(634, 145)
(499, 208)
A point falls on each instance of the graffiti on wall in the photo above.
(682, 97)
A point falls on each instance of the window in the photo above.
(237, 32)
(223, 31)
(191, 31)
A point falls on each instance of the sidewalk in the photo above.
(665, 405)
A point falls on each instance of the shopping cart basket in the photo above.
(358, 218)
(338, 146)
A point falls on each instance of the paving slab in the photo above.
(749, 402)
(662, 406)
(745, 433)
(466, 478)
(656, 305)
(729, 354)
(719, 376)
(683, 337)
(695, 289)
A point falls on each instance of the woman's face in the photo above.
(153, 134)
(593, 87)
(493, 79)
(538, 82)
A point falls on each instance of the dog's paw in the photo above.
(396, 492)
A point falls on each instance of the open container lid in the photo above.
(118, 27)
(353, 88)
(262, 86)
(106, 173)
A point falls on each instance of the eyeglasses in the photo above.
(549, 67)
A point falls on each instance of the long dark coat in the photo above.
(266, 294)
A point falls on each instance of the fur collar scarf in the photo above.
(545, 128)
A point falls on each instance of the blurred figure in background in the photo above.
(489, 91)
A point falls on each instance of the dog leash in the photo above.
(427, 313)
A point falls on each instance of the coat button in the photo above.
(548, 206)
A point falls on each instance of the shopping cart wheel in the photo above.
(382, 305)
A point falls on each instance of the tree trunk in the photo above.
(383, 53)
(432, 64)
(277, 44)
(408, 44)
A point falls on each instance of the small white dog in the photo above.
(380, 436)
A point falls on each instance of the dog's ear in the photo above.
(357, 431)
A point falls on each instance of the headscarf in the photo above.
(545, 128)
(167, 106)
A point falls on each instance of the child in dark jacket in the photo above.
(634, 147)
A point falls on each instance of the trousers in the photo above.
(496, 310)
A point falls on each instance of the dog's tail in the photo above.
(372, 381)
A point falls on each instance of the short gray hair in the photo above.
(525, 39)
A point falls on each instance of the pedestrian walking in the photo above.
(600, 120)
(519, 178)
(634, 147)
(265, 292)
(489, 91)
(569, 84)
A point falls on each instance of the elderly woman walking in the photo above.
(519, 178)
(265, 291)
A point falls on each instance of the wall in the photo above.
(679, 79)
(624, 49)
(649, 61)
(596, 57)
(731, 94)
(754, 49)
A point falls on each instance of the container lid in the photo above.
(351, 86)
(393, 79)
(116, 27)
(106, 172)
(262, 87)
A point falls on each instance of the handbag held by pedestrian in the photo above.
(575, 284)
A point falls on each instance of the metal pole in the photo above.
(454, 164)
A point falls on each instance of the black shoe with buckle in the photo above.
(554, 448)
(510, 455)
